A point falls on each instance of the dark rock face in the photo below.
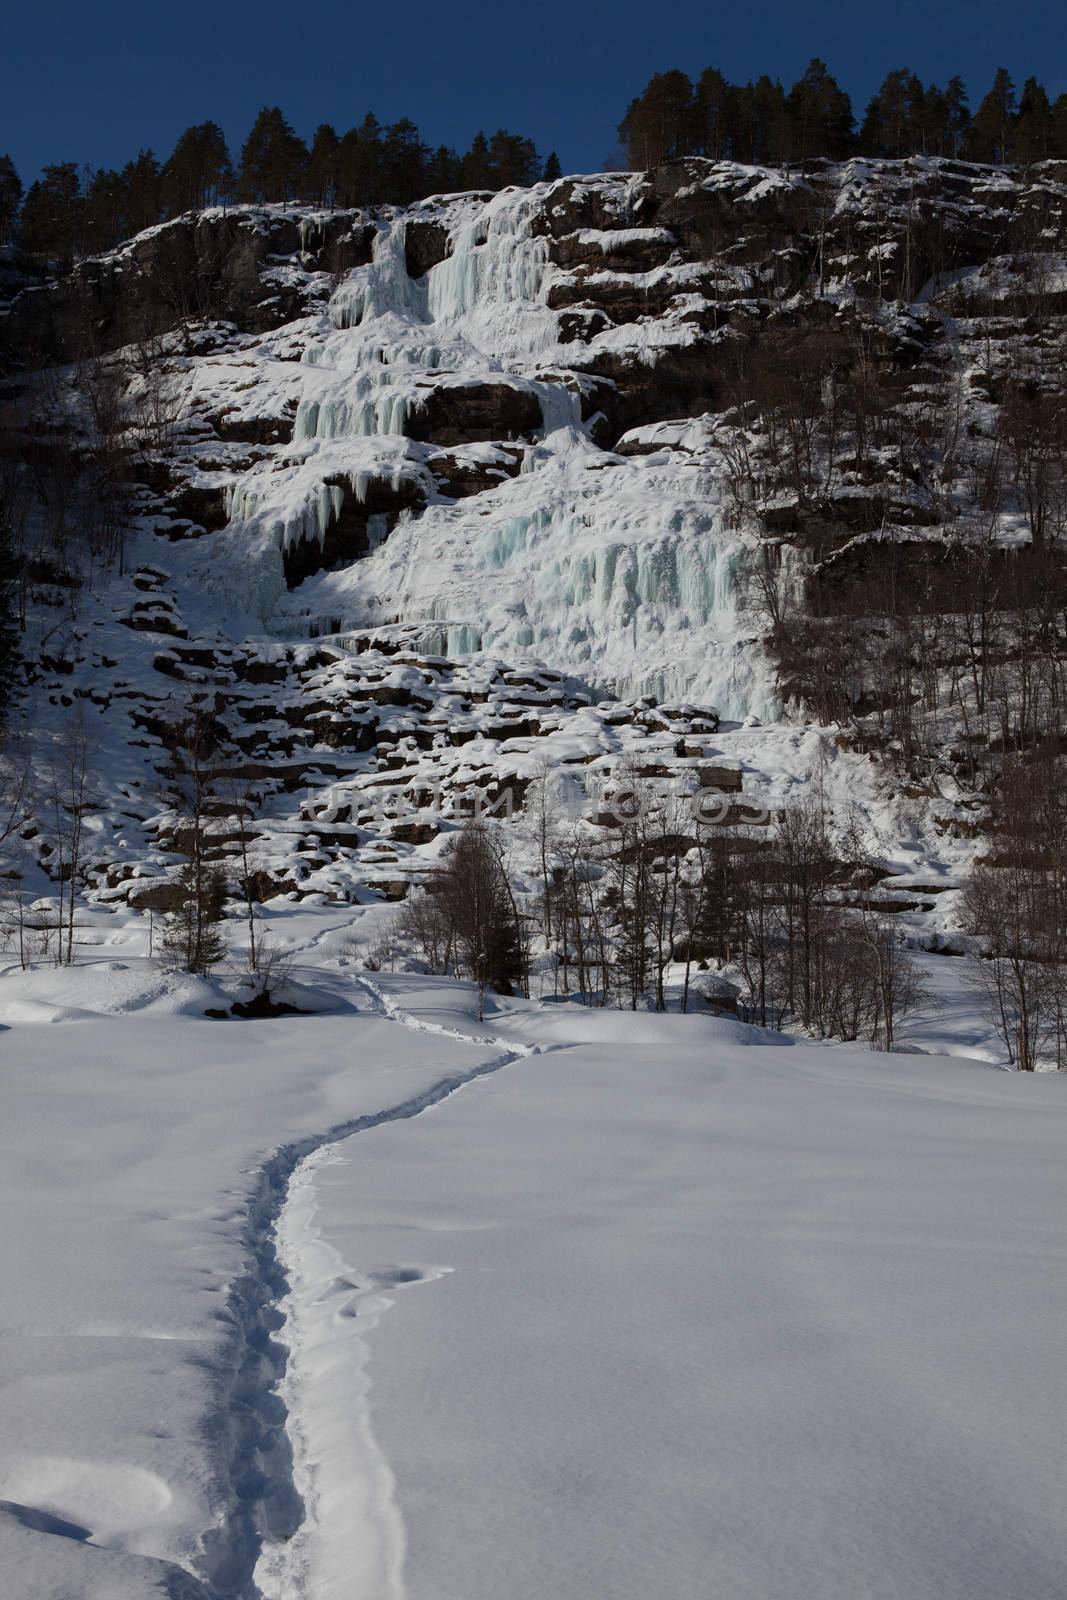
(924, 574)
(458, 413)
(426, 244)
(949, 214)
(233, 428)
(603, 251)
(204, 507)
(736, 214)
(686, 380)
(572, 205)
(458, 476)
(619, 299)
(581, 325)
(216, 264)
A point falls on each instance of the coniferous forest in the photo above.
(74, 209)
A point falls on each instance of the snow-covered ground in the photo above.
(144, 1150)
(655, 1305)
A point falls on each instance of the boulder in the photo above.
(158, 895)
(458, 475)
(461, 413)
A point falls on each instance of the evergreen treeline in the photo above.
(764, 123)
(71, 211)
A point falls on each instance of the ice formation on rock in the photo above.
(623, 568)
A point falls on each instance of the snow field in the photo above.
(664, 1311)
(143, 1157)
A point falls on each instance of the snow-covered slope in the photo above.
(430, 503)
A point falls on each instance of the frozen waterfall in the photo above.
(622, 569)
(493, 262)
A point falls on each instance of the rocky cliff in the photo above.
(418, 490)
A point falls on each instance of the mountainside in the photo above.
(416, 502)
(435, 642)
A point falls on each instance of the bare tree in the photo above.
(191, 934)
(16, 809)
(243, 799)
(896, 978)
(472, 889)
(65, 802)
(1015, 908)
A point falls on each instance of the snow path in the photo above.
(144, 1156)
(320, 1333)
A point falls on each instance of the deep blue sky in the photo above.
(95, 82)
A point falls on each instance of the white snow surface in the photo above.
(134, 1142)
(665, 1311)
(652, 1306)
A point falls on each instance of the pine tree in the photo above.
(10, 654)
(820, 115)
(895, 120)
(1058, 135)
(50, 224)
(1033, 127)
(142, 181)
(476, 170)
(991, 131)
(199, 171)
(103, 211)
(714, 115)
(956, 118)
(273, 160)
(191, 937)
(552, 169)
(404, 161)
(658, 126)
(191, 934)
(762, 134)
(10, 197)
(360, 164)
(323, 168)
(444, 173)
(512, 160)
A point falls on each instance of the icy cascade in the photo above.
(623, 569)
(251, 501)
(493, 262)
(362, 382)
(381, 287)
(371, 406)
(386, 335)
(380, 349)
(310, 504)
(626, 574)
